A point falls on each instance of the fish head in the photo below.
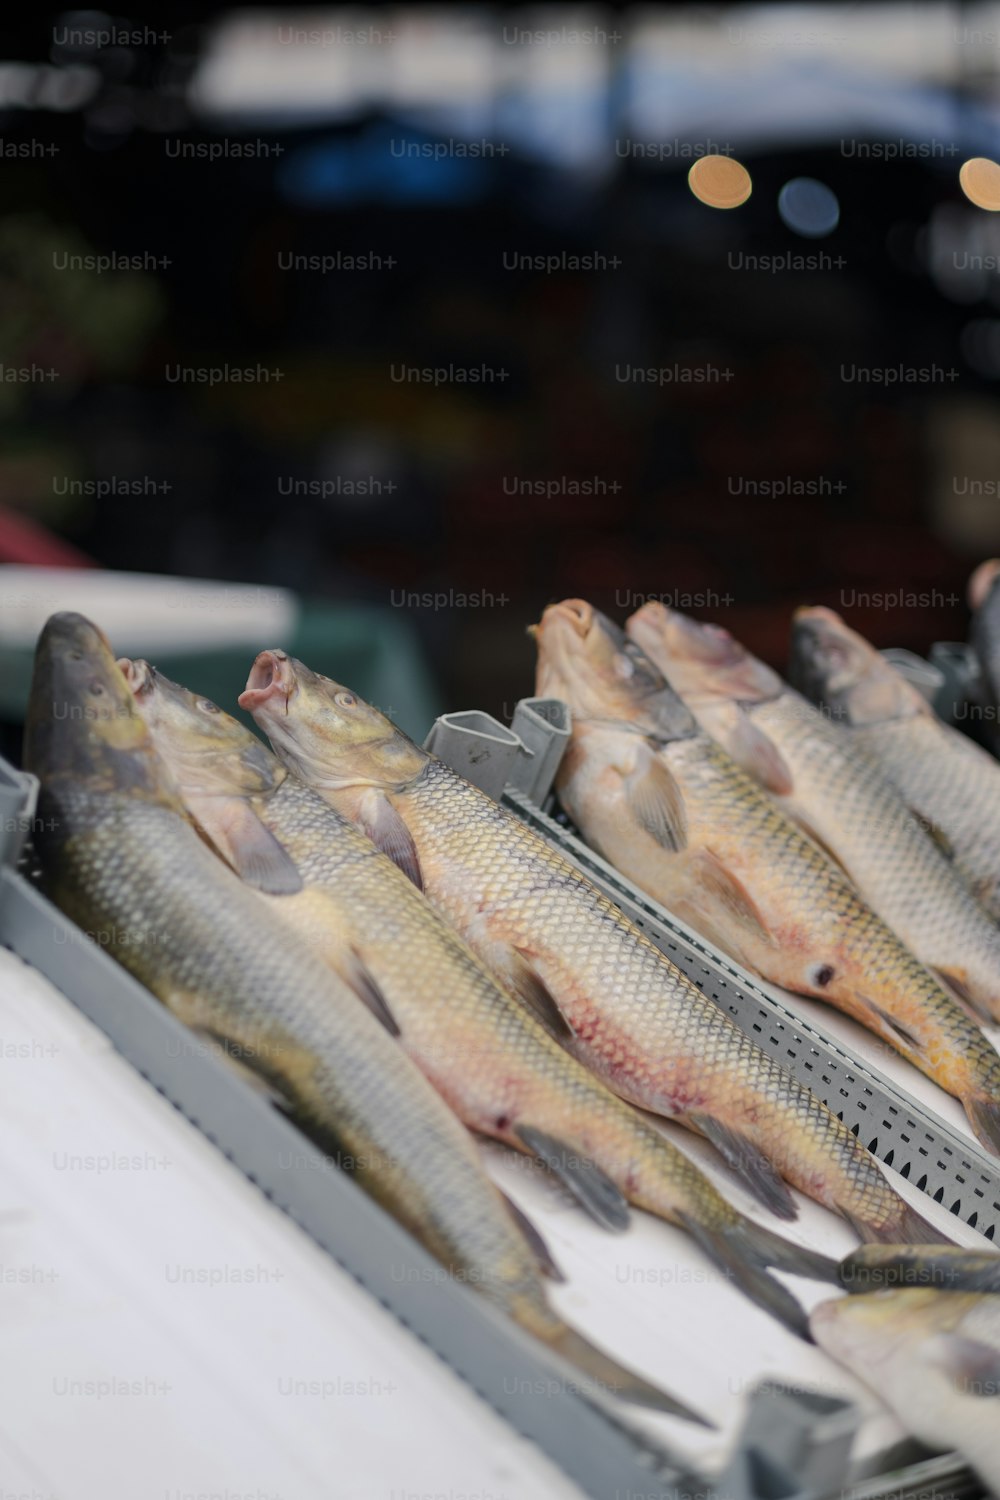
(81, 720)
(949, 1336)
(323, 731)
(840, 671)
(591, 664)
(208, 751)
(703, 661)
(862, 1329)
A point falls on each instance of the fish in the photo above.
(932, 1357)
(983, 595)
(615, 1001)
(950, 784)
(947, 1268)
(121, 858)
(837, 794)
(662, 801)
(497, 1067)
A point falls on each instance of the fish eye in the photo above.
(96, 690)
(345, 700)
(207, 706)
(75, 655)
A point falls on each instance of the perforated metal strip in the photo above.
(900, 1132)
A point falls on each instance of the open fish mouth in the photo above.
(580, 616)
(586, 621)
(818, 647)
(139, 675)
(270, 679)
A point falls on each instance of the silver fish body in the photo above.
(932, 1357)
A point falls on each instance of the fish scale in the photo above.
(825, 780)
(798, 918)
(122, 859)
(888, 854)
(283, 1013)
(488, 1034)
(951, 784)
(498, 1068)
(539, 923)
(661, 1043)
(806, 878)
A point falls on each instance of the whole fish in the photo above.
(498, 1068)
(660, 799)
(933, 1358)
(984, 637)
(838, 795)
(950, 784)
(121, 858)
(946, 1268)
(537, 921)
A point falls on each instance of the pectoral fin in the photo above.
(535, 994)
(254, 852)
(960, 989)
(749, 1163)
(656, 802)
(936, 832)
(719, 890)
(389, 833)
(818, 839)
(355, 973)
(546, 1261)
(896, 1029)
(590, 1184)
(222, 1047)
(759, 756)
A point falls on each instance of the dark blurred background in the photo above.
(331, 199)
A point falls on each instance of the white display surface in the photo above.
(116, 1216)
(130, 1250)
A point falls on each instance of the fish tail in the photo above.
(983, 1111)
(733, 1252)
(773, 1250)
(902, 1266)
(606, 1376)
(906, 1227)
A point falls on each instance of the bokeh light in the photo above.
(720, 181)
(980, 345)
(979, 178)
(809, 207)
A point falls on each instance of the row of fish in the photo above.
(780, 834)
(836, 837)
(451, 964)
